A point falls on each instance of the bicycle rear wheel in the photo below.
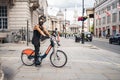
(58, 59)
(27, 57)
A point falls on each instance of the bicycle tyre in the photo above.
(16, 39)
(26, 61)
(58, 56)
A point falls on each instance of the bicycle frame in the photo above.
(52, 45)
(31, 52)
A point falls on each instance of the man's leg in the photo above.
(36, 54)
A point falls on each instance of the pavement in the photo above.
(85, 62)
(1, 72)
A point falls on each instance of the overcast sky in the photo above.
(55, 5)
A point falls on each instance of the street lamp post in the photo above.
(95, 33)
(27, 32)
(65, 22)
(83, 22)
(52, 25)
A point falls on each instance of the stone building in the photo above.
(52, 21)
(90, 19)
(107, 17)
(20, 16)
(61, 20)
(58, 22)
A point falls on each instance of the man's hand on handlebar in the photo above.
(44, 38)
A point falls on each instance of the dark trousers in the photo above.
(37, 49)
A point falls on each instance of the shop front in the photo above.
(113, 30)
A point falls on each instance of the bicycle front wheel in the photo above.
(58, 59)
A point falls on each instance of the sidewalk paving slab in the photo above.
(1, 72)
(85, 62)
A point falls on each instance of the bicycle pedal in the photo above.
(30, 57)
(37, 65)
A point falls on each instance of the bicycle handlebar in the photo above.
(52, 37)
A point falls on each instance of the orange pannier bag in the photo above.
(28, 52)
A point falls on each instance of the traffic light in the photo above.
(82, 18)
(91, 15)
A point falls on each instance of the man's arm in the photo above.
(46, 31)
(39, 30)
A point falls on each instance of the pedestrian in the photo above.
(23, 36)
(38, 31)
(100, 34)
(57, 35)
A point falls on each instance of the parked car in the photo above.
(88, 36)
(115, 39)
(77, 37)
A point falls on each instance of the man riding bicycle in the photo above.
(38, 31)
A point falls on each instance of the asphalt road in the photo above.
(104, 44)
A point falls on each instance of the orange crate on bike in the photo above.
(28, 51)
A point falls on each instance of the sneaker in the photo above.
(37, 63)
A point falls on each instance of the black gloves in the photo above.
(44, 38)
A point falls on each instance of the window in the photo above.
(108, 19)
(108, 8)
(114, 17)
(102, 11)
(104, 21)
(99, 13)
(119, 15)
(114, 5)
(99, 21)
(3, 17)
(96, 22)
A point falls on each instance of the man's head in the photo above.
(55, 29)
(42, 19)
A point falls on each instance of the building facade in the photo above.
(74, 28)
(53, 22)
(106, 17)
(60, 17)
(90, 19)
(20, 15)
(58, 22)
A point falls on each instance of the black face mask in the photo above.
(40, 23)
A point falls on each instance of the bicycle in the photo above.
(58, 58)
(16, 37)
